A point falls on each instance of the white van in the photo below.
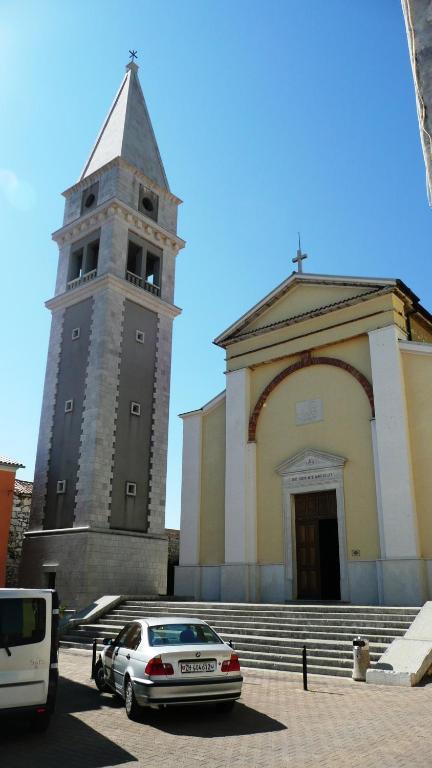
(28, 653)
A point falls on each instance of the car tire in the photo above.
(225, 706)
(133, 709)
(99, 677)
(40, 722)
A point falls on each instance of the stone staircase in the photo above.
(270, 636)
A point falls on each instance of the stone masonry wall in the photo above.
(19, 524)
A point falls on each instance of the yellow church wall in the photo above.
(212, 519)
(303, 298)
(345, 431)
(354, 351)
(315, 332)
(420, 331)
(418, 387)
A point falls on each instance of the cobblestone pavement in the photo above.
(277, 724)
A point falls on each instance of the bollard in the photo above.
(93, 659)
(304, 668)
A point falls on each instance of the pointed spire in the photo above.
(127, 132)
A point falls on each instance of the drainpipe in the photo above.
(408, 316)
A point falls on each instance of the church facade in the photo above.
(97, 521)
(310, 477)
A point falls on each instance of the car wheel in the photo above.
(133, 709)
(40, 722)
(99, 677)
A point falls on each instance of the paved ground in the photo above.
(277, 724)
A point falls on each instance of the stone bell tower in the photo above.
(98, 510)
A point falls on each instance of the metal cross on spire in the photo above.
(300, 257)
(133, 55)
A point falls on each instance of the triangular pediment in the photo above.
(310, 459)
(303, 296)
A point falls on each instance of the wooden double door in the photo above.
(317, 546)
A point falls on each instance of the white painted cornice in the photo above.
(128, 290)
(415, 347)
(308, 460)
(121, 163)
(207, 408)
(115, 207)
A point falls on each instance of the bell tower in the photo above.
(98, 508)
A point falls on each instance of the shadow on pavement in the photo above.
(78, 697)
(209, 723)
(67, 743)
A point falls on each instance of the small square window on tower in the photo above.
(61, 486)
(68, 406)
(139, 337)
(135, 409)
(130, 489)
(75, 334)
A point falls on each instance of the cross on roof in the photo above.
(133, 55)
(300, 256)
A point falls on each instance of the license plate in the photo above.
(197, 666)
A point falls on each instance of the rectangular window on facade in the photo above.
(152, 271)
(68, 406)
(75, 334)
(61, 486)
(130, 489)
(134, 259)
(76, 264)
(92, 254)
(135, 409)
(139, 337)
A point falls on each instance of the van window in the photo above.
(22, 620)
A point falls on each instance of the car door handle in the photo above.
(128, 656)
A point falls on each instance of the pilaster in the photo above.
(240, 492)
(99, 413)
(159, 441)
(191, 490)
(46, 422)
(396, 505)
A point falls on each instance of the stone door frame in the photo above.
(307, 472)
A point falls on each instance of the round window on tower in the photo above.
(147, 204)
(89, 200)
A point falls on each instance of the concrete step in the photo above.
(274, 607)
(199, 609)
(121, 617)
(335, 631)
(269, 636)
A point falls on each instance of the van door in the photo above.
(25, 646)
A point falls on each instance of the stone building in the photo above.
(97, 517)
(309, 476)
(19, 524)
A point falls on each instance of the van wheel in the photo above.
(40, 722)
(99, 677)
(133, 709)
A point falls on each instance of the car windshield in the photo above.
(182, 634)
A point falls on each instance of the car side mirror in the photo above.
(231, 644)
(108, 641)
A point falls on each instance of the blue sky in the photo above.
(271, 118)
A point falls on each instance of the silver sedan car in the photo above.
(161, 661)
